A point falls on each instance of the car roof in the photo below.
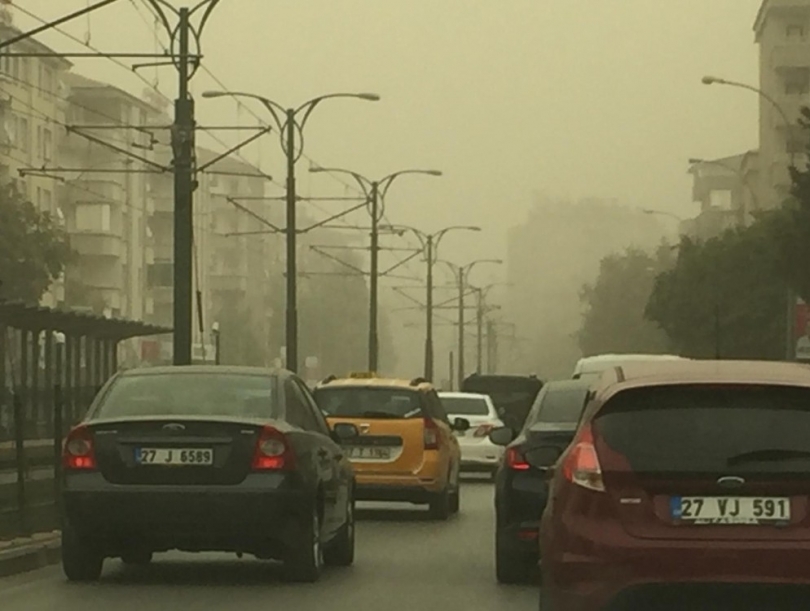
(568, 384)
(463, 395)
(375, 383)
(685, 372)
(205, 369)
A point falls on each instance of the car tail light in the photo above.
(515, 460)
(431, 435)
(483, 430)
(79, 452)
(581, 466)
(273, 452)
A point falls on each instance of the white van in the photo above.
(595, 365)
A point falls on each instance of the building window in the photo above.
(720, 199)
(47, 144)
(93, 217)
(47, 201)
(794, 31)
(23, 136)
(797, 81)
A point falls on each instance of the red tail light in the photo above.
(581, 466)
(515, 460)
(431, 435)
(483, 430)
(273, 451)
(79, 452)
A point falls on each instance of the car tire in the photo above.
(439, 508)
(510, 567)
(80, 561)
(340, 551)
(137, 558)
(455, 499)
(304, 562)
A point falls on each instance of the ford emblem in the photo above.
(731, 481)
(174, 427)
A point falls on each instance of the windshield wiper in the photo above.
(771, 455)
(387, 415)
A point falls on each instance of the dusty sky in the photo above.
(508, 97)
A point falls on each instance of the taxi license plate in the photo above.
(730, 510)
(368, 453)
(175, 457)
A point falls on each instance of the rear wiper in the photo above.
(387, 415)
(772, 455)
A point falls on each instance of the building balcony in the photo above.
(789, 55)
(97, 245)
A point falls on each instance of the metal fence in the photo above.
(52, 364)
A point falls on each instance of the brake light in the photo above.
(483, 430)
(79, 451)
(581, 467)
(431, 434)
(515, 460)
(273, 452)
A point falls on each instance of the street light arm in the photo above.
(308, 107)
(386, 182)
(437, 237)
(274, 107)
(211, 5)
(710, 80)
(365, 183)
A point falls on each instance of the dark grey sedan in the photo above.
(207, 458)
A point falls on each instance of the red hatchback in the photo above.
(687, 486)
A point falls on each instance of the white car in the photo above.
(478, 453)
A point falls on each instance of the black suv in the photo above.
(521, 489)
(513, 395)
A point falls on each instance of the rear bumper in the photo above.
(480, 455)
(645, 574)
(522, 538)
(254, 517)
(405, 488)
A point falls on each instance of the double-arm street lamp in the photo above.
(289, 122)
(430, 245)
(462, 274)
(375, 192)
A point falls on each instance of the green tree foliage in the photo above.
(33, 248)
(725, 297)
(615, 304)
(791, 226)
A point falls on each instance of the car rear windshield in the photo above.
(563, 405)
(190, 394)
(718, 429)
(465, 406)
(364, 402)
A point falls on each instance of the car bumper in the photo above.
(644, 576)
(404, 488)
(254, 517)
(480, 454)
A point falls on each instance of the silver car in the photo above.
(478, 453)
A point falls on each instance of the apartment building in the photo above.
(32, 117)
(782, 30)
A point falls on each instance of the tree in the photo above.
(33, 248)
(725, 297)
(615, 304)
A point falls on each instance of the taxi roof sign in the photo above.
(362, 375)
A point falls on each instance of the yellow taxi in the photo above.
(407, 450)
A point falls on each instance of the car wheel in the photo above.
(340, 551)
(510, 567)
(139, 558)
(305, 561)
(80, 562)
(455, 499)
(440, 505)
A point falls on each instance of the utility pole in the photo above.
(490, 346)
(460, 326)
(479, 315)
(184, 186)
(373, 329)
(429, 310)
(291, 318)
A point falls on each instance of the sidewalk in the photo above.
(29, 553)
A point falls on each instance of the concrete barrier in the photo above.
(29, 553)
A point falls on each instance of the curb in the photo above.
(29, 554)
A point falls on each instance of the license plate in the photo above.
(368, 453)
(730, 510)
(174, 457)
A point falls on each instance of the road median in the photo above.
(29, 553)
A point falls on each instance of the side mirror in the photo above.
(461, 424)
(502, 436)
(543, 457)
(344, 431)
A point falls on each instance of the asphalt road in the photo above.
(404, 562)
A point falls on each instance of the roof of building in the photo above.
(10, 31)
(768, 5)
(733, 164)
(77, 81)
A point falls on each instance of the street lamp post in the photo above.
(430, 244)
(216, 333)
(288, 124)
(375, 192)
(480, 311)
(790, 348)
(462, 274)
